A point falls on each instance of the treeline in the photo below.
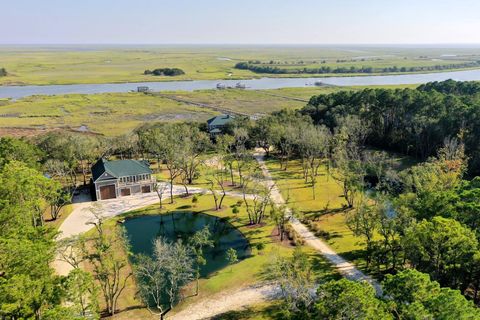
(465, 88)
(165, 72)
(3, 72)
(265, 68)
(415, 122)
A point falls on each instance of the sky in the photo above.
(239, 22)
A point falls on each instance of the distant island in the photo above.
(3, 72)
(171, 72)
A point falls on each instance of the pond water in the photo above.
(143, 230)
(17, 92)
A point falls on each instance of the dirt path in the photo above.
(347, 269)
(228, 301)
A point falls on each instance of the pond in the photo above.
(143, 230)
(17, 92)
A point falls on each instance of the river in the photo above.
(17, 92)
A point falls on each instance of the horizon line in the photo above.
(246, 44)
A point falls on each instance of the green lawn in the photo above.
(325, 210)
(64, 213)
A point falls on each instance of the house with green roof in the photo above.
(121, 178)
(217, 124)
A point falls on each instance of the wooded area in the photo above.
(420, 226)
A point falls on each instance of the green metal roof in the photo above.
(120, 168)
(220, 120)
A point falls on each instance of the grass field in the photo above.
(109, 114)
(245, 272)
(119, 113)
(109, 64)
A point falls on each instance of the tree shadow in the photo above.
(270, 312)
(354, 255)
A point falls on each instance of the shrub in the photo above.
(195, 198)
(165, 72)
(260, 246)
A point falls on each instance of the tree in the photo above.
(62, 147)
(28, 286)
(104, 254)
(285, 141)
(87, 150)
(263, 134)
(164, 275)
(24, 186)
(242, 158)
(231, 257)
(281, 216)
(160, 189)
(347, 156)
(313, 146)
(12, 149)
(416, 296)
(57, 198)
(199, 241)
(391, 225)
(257, 204)
(363, 221)
(442, 248)
(59, 170)
(213, 191)
(345, 299)
(81, 293)
(294, 276)
(218, 178)
(69, 250)
(224, 146)
(194, 143)
(174, 169)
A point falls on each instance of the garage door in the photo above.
(107, 192)
(125, 192)
(145, 189)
